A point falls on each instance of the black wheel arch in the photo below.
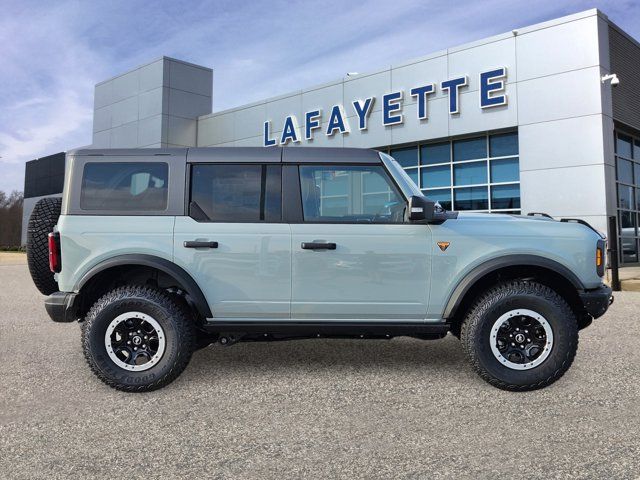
(510, 267)
(177, 273)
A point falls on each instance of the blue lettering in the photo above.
(268, 142)
(363, 110)
(390, 104)
(452, 86)
(492, 82)
(337, 121)
(311, 122)
(290, 130)
(421, 93)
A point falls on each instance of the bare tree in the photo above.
(10, 218)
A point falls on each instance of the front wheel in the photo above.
(138, 338)
(520, 336)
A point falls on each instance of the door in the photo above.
(353, 256)
(233, 244)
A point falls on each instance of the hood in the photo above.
(545, 223)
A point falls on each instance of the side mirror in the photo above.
(421, 210)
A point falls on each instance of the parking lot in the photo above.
(315, 408)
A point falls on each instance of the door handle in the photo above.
(198, 244)
(318, 246)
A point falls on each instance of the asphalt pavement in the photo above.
(402, 408)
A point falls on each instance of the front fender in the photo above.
(470, 278)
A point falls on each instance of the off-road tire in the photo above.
(476, 331)
(175, 320)
(41, 222)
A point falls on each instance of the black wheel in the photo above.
(520, 336)
(41, 222)
(138, 338)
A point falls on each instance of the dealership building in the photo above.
(544, 118)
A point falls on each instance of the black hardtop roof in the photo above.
(245, 154)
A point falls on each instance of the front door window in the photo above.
(349, 194)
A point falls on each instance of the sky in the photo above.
(52, 53)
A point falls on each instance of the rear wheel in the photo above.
(520, 336)
(138, 338)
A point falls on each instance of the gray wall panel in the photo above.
(625, 62)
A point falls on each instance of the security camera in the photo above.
(615, 81)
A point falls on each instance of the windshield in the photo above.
(404, 181)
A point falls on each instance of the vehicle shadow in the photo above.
(331, 354)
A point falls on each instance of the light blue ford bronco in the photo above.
(160, 252)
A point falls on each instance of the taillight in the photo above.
(55, 262)
(600, 258)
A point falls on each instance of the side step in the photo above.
(231, 332)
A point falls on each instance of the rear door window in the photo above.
(124, 186)
(248, 193)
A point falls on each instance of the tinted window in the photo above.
(406, 157)
(625, 171)
(470, 149)
(474, 198)
(470, 173)
(235, 193)
(506, 170)
(442, 196)
(503, 145)
(623, 146)
(505, 196)
(439, 176)
(362, 194)
(436, 153)
(126, 186)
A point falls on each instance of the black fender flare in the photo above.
(524, 260)
(159, 263)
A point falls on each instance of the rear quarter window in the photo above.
(124, 186)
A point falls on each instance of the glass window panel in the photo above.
(505, 196)
(623, 146)
(505, 170)
(624, 170)
(373, 182)
(503, 144)
(471, 198)
(406, 157)
(627, 224)
(413, 174)
(470, 149)
(124, 186)
(443, 196)
(625, 197)
(629, 250)
(636, 150)
(227, 193)
(436, 176)
(372, 204)
(369, 197)
(435, 153)
(628, 242)
(470, 173)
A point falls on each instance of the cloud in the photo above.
(53, 53)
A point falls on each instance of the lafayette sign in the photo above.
(491, 94)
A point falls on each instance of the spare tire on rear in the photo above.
(41, 222)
